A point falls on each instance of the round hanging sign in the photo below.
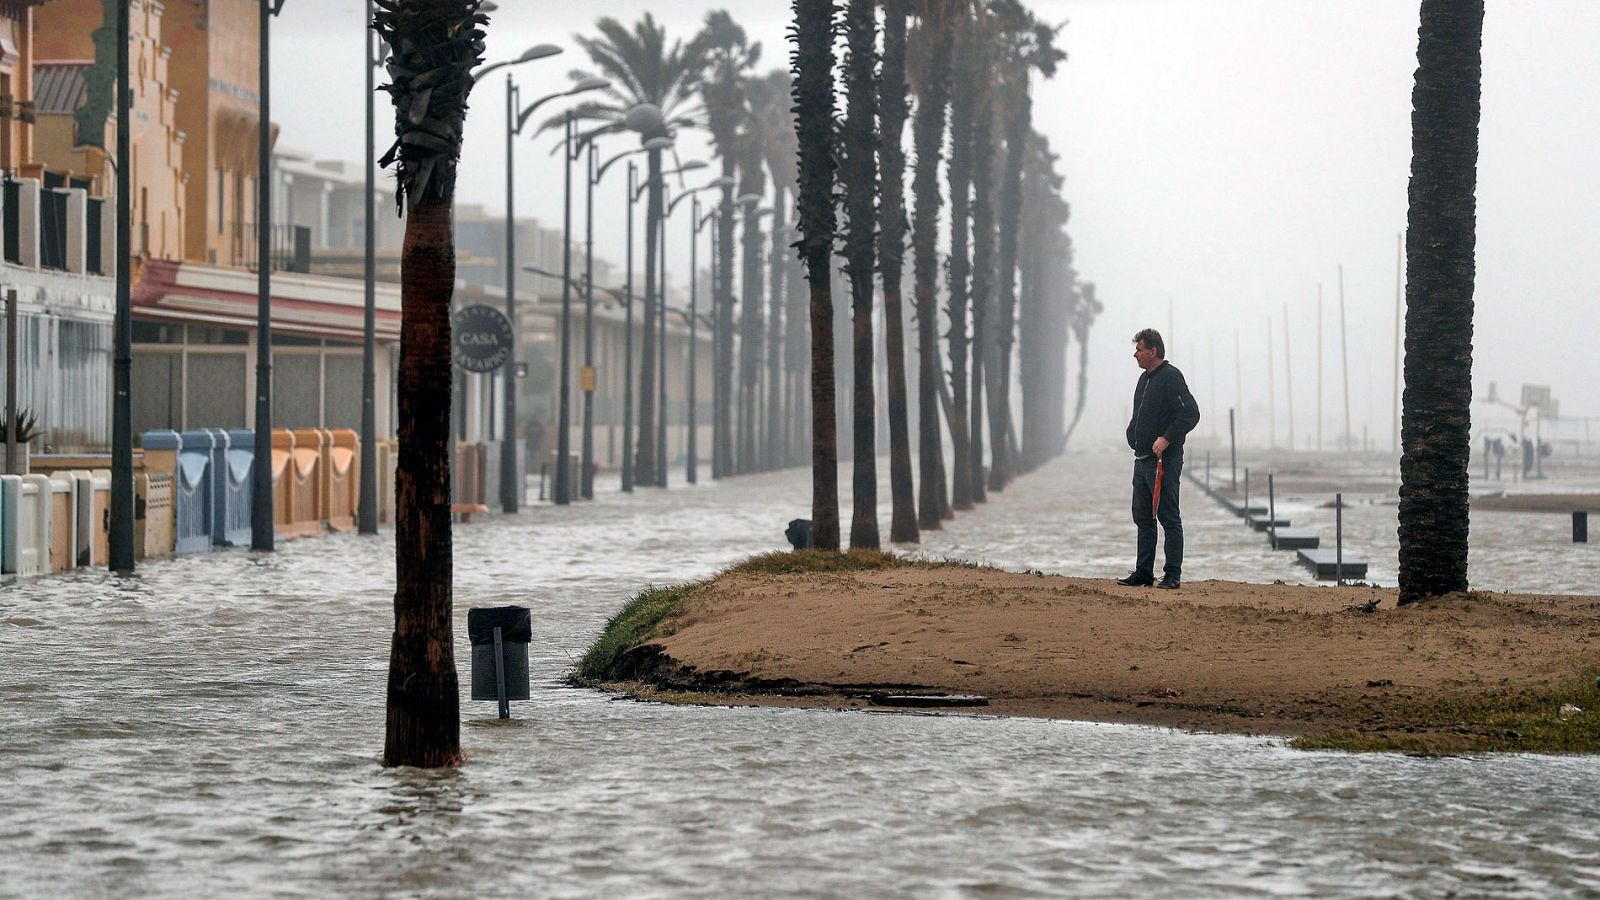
(483, 338)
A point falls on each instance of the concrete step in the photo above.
(1297, 539)
(1321, 563)
(1261, 521)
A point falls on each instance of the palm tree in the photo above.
(1046, 278)
(814, 23)
(891, 258)
(983, 238)
(1435, 429)
(859, 173)
(936, 34)
(644, 69)
(1027, 44)
(752, 182)
(968, 85)
(436, 45)
(769, 123)
(1083, 316)
(730, 56)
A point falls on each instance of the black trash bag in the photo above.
(799, 534)
(515, 622)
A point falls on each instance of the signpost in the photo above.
(483, 338)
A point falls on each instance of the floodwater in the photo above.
(214, 725)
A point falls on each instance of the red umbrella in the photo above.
(1155, 495)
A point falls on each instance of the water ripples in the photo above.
(214, 725)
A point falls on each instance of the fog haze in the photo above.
(1222, 159)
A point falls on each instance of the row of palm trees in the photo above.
(968, 66)
(764, 339)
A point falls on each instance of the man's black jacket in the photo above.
(1162, 406)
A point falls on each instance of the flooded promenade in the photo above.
(214, 724)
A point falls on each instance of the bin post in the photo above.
(500, 674)
(1580, 526)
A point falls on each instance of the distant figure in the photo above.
(1164, 412)
(799, 534)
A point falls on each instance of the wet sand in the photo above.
(1214, 656)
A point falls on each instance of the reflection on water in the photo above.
(214, 724)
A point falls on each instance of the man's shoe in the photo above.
(1134, 579)
(1168, 582)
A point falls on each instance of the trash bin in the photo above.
(516, 630)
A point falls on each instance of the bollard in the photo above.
(1580, 526)
(499, 637)
(541, 481)
(1247, 495)
(1208, 471)
(1338, 538)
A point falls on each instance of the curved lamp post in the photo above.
(511, 475)
(691, 473)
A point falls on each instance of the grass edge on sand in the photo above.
(1512, 722)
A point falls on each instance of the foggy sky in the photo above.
(1221, 157)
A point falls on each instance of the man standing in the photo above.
(1164, 412)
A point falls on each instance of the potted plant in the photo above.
(27, 429)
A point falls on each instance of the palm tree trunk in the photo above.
(929, 139)
(772, 442)
(1441, 236)
(751, 181)
(963, 107)
(722, 416)
(891, 256)
(983, 169)
(424, 720)
(1001, 449)
(644, 466)
(814, 22)
(859, 172)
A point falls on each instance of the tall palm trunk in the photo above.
(1000, 446)
(797, 357)
(752, 180)
(814, 22)
(772, 435)
(1441, 236)
(928, 136)
(983, 169)
(644, 465)
(438, 43)
(963, 108)
(859, 174)
(891, 259)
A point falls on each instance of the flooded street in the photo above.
(214, 725)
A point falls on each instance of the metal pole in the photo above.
(511, 486)
(1272, 513)
(1319, 367)
(586, 476)
(689, 474)
(500, 673)
(121, 539)
(367, 510)
(1344, 352)
(563, 440)
(627, 348)
(661, 350)
(1233, 456)
(13, 425)
(261, 536)
(1288, 377)
(1338, 538)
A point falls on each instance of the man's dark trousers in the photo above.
(1144, 481)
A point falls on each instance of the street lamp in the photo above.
(691, 474)
(261, 534)
(511, 476)
(638, 115)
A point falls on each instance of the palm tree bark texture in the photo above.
(938, 29)
(1435, 429)
(858, 172)
(892, 112)
(963, 110)
(983, 237)
(812, 62)
(436, 44)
